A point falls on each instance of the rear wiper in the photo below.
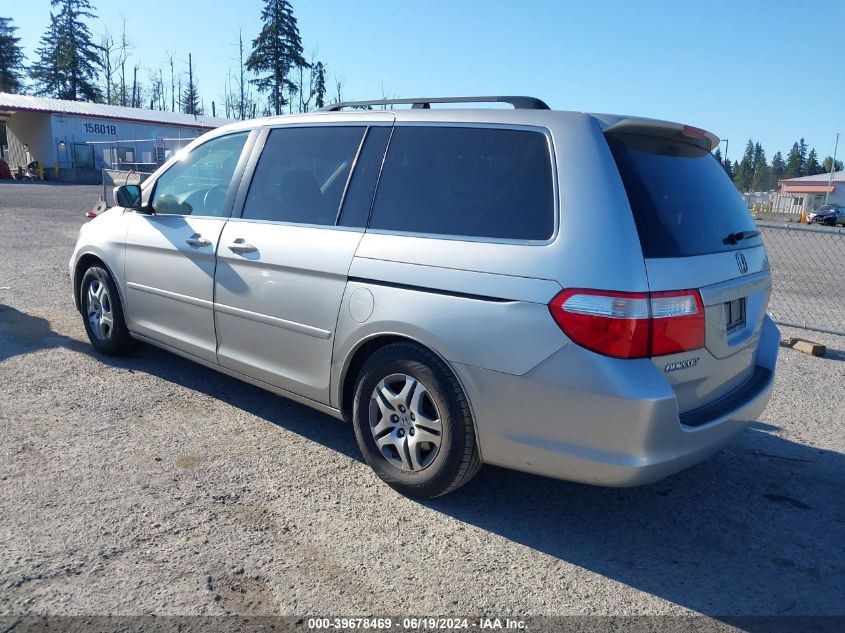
(733, 238)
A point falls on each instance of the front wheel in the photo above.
(413, 423)
(102, 313)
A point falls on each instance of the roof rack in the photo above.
(424, 103)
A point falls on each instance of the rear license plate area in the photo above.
(734, 315)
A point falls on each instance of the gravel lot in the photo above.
(152, 485)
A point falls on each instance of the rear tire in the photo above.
(102, 313)
(413, 423)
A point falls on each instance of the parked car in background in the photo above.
(581, 296)
(828, 214)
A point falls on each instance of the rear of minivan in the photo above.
(658, 378)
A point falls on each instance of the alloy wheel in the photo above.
(100, 316)
(405, 422)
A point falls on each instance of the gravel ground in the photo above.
(150, 485)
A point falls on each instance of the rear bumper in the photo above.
(584, 417)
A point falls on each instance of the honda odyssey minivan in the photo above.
(581, 296)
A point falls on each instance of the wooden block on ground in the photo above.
(808, 347)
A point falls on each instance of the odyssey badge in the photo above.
(682, 364)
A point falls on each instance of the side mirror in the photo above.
(128, 196)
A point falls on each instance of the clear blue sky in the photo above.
(771, 70)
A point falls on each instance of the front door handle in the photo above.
(240, 245)
(197, 241)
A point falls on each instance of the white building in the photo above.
(74, 140)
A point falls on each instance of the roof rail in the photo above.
(424, 103)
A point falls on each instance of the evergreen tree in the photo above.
(45, 73)
(276, 52)
(778, 167)
(759, 156)
(190, 99)
(794, 162)
(827, 162)
(762, 176)
(812, 167)
(725, 163)
(802, 157)
(319, 84)
(68, 57)
(11, 58)
(744, 173)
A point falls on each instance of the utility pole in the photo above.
(832, 169)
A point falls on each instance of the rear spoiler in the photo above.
(652, 127)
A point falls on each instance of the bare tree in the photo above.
(385, 96)
(189, 98)
(316, 84)
(123, 54)
(136, 89)
(108, 51)
(163, 91)
(173, 93)
(302, 104)
(156, 90)
(229, 105)
(338, 84)
(245, 101)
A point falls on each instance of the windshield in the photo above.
(683, 201)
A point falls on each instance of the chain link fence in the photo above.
(808, 275)
(114, 177)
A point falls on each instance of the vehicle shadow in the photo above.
(22, 333)
(263, 404)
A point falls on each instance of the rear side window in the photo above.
(302, 173)
(476, 182)
(683, 201)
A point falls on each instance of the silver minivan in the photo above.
(581, 296)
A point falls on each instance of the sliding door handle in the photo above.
(240, 245)
(197, 241)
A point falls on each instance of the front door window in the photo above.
(198, 184)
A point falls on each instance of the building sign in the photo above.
(101, 128)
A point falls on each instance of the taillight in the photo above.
(677, 322)
(631, 324)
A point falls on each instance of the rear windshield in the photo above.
(683, 201)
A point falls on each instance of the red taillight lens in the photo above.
(677, 322)
(631, 324)
(610, 323)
